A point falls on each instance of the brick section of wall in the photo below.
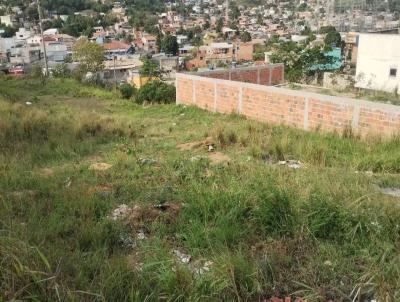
(204, 92)
(329, 116)
(309, 111)
(268, 75)
(227, 98)
(273, 108)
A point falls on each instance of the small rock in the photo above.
(210, 148)
(328, 263)
(369, 173)
(182, 257)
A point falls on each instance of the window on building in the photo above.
(393, 72)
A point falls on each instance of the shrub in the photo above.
(156, 91)
(61, 71)
(127, 90)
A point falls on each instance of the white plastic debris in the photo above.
(182, 257)
(141, 235)
(147, 161)
(292, 164)
(28, 103)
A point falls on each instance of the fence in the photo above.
(309, 111)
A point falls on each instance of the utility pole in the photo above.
(41, 33)
(115, 76)
(318, 17)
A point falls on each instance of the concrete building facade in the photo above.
(378, 62)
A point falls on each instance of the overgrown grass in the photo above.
(323, 231)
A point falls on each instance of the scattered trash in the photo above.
(147, 161)
(173, 124)
(217, 158)
(28, 103)
(122, 211)
(210, 148)
(328, 263)
(182, 114)
(68, 182)
(100, 166)
(292, 164)
(394, 192)
(203, 269)
(141, 235)
(139, 217)
(369, 173)
(182, 257)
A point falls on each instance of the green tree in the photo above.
(150, 69)
(8, 31)
(61, 71)
(89, 55)
(169, 45)
(299, 59)
(156, 91)
(245, 36)
(333, 38)
(219, 25)
(127, 90)
(234, 12)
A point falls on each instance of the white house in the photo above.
(6, 20)
(378, 62)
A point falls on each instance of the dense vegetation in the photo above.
(321, 231)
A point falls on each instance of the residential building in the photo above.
(56, 51)
(117, 48)
(378, 62)
(149, 42)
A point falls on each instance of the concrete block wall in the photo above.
(271, 74)
(304, 110)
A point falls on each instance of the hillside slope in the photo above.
(105, 200)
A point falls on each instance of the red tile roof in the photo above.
(115, 45)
